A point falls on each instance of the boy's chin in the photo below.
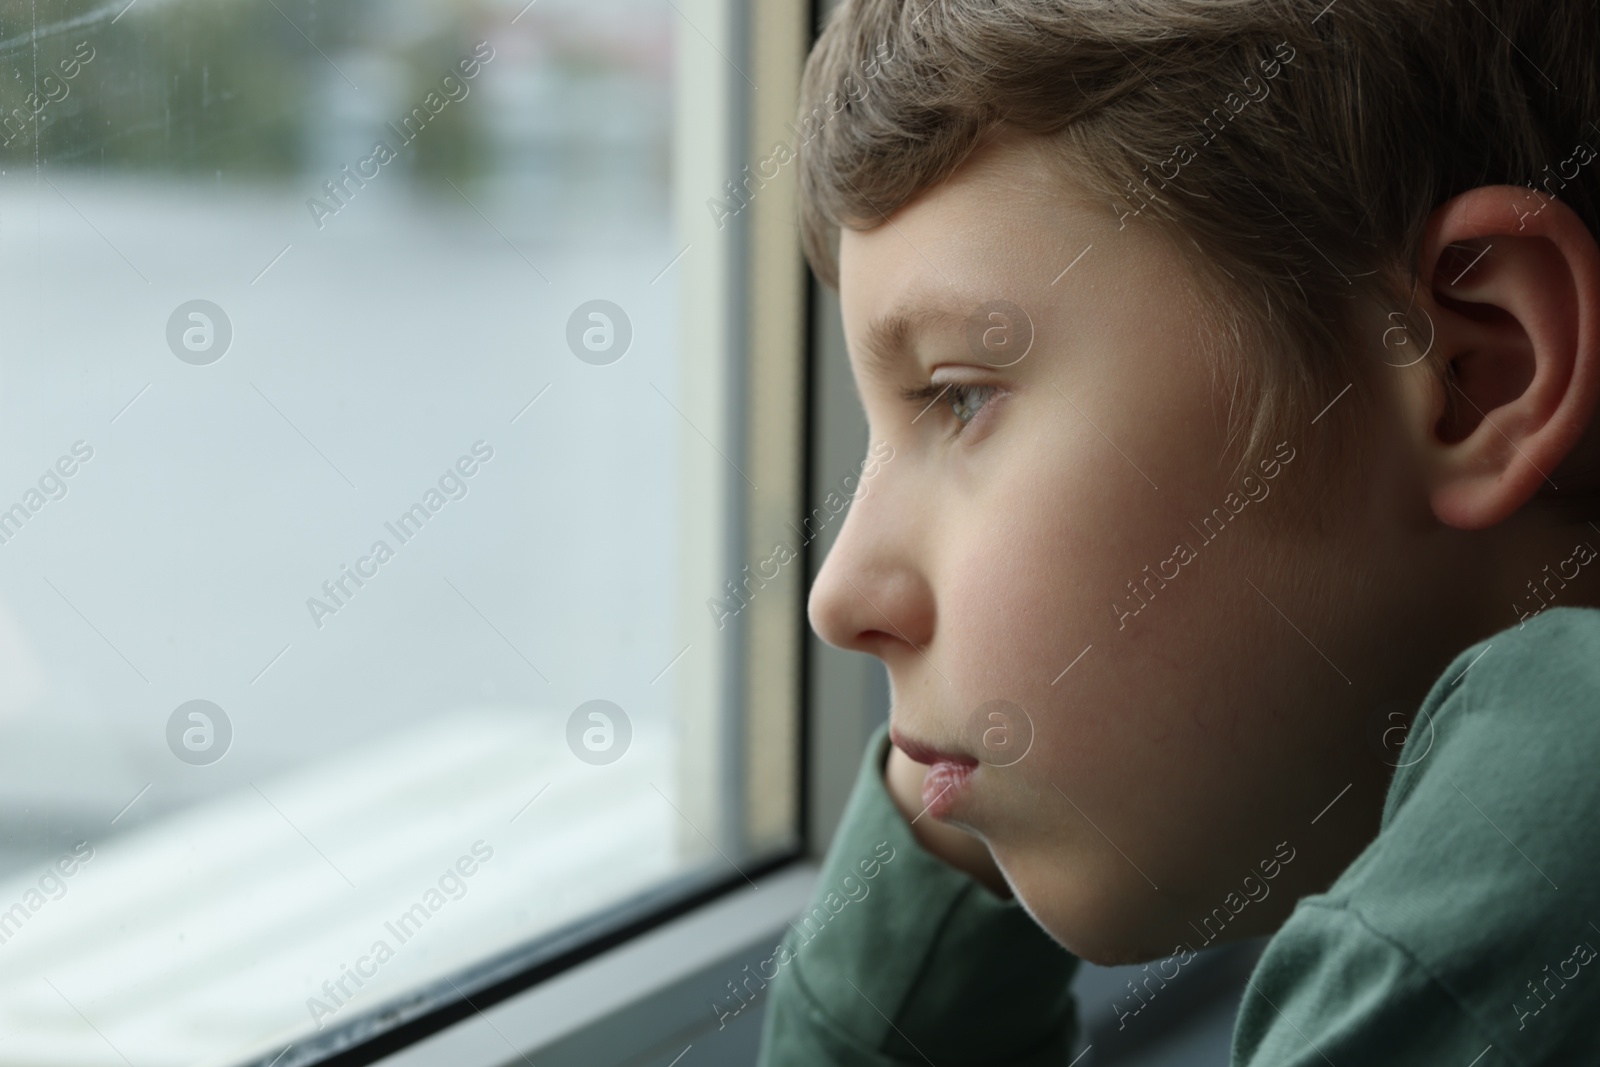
(1093, 944)
(1107, 925)
(1109, 933)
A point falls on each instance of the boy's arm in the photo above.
(903, 959)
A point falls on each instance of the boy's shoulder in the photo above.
(1546, 664)
(1481, 893)
(1514, 718)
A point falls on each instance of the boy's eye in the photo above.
(962, 401)
(966, 400)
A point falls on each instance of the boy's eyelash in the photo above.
(925, 394)
(956, 393)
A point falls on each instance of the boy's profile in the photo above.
(1236, 573)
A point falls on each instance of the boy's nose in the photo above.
(870, 595)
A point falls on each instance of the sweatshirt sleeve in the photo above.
(902, 959)
(1331, 989)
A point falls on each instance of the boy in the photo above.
(1235, 574)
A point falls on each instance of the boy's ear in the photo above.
(1511, 280)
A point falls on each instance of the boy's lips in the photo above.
(927, 754)
(944, 786)
(948, 773)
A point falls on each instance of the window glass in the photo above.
(360, 492)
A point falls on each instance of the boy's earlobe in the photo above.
(1515, 302)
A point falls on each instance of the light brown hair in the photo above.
(1311, 141)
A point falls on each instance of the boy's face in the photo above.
(1204, 720)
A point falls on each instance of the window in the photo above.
(396, 400)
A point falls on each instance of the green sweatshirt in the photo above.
(1465, 934)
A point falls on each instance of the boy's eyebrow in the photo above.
(888, 338)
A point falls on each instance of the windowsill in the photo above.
(601, 988)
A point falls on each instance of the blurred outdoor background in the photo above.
(164, 152)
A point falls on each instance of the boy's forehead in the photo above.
(913, 282)
(993, 229)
